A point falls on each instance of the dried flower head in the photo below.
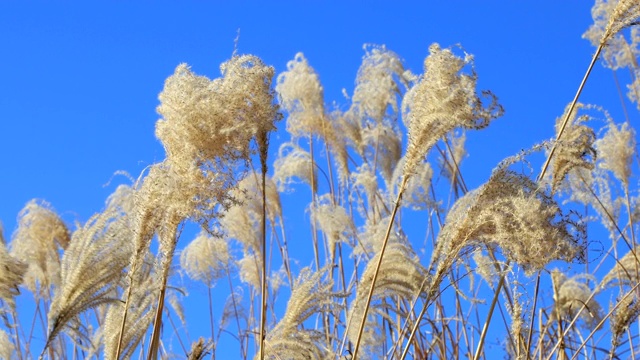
(94, 262)
(571, 294)
(301, 95)
(332, 219)
(37, 242)
(626, 313)
(625, 272)
(384, 147)
(401, 276)
(616, 149)
(576, 147)
(378, 83)
(249, 267)
(510, 212)
(206, 258)
(199, 349)
(445, 98)
(371, 235)
(12, 275)
(611, 16)
(249, 193)
(289, 339)
(417, 189)
(7, 348)
(293, 162)
(215, 120)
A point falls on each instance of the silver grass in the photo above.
(625, 13)
(213, 120)
(249, 267)
(7, 348)
(93, 263)
(37, 242)
(140, 313)
(365, 184)
(205, 258)
(417, 191)
(445, 98)
(371, 235)
(570, 294)
(11, 277)
(293, 162)
(333, 220)
(290, 339)
(401, 276)
(301, 95)
(626, 313)
(576, 147)
(378, 83)
(616, 149)
(249, 192)
(583, 187)
(617, 53)
(625, 272)
(510, 212)
(385, 146)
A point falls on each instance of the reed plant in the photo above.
(407, 262)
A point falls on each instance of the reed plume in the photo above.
(512, 213)
(444, 98)
(37, 242)
(93, 263)
(12, 275)
(290, 339)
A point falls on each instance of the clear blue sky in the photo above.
(79, 82)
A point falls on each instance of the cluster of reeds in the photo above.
(406, 261)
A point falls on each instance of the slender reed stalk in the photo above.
(570, 111)
(377, 269)
(485, 327)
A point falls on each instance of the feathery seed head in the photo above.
(93, 264)
(11, 276)
(510, 212)
(570, 294)
(625, 272)
(378, 84)
(616, 149)
(37, 242)
(211, 120)
(301, 95)
(609, 17)
(575, 148)
(249, 267)
(625, 314)
(293, 162)
(289, 339)
(206, 258)
(445, 98)
(332, 219)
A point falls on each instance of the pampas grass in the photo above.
(402, 259)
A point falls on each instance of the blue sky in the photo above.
(79, 82)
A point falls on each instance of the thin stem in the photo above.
(377, 270)
(573, 105)
(213, 350)
(263, 301)
(485, 328)
(533, 313)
